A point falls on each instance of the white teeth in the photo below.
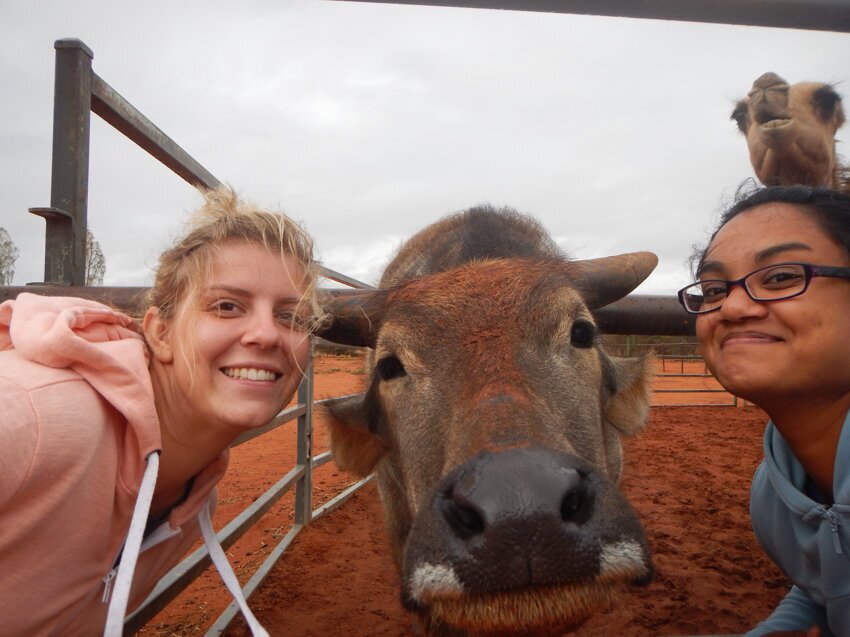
(250, 373)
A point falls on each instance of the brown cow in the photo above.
(790, 132)
(493, 420)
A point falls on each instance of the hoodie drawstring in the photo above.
(123, 580)
(226, 571)
(132, 546)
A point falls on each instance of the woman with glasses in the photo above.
(772, 305)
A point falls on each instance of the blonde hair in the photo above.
(224, 218)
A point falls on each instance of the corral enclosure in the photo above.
(687, 475)
(678, 449)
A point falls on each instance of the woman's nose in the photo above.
(262, 330)
(738, 304)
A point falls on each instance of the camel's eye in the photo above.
(740, 116)
(390, 367)
(583, 333)
(826, 100)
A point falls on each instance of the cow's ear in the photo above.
(628, 407)
(355, 447)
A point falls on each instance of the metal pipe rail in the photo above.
(817, 15)
(635, 314)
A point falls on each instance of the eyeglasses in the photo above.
(771, 283)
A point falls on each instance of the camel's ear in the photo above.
(628, 408)
(355, 447)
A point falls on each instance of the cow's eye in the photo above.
(583, 333)
(390, 367)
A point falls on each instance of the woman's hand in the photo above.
(814, 631)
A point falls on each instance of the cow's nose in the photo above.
(516, 492)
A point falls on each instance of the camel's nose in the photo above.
(769, 80)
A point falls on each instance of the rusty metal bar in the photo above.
(66, 218)
(304, 450)
(124, 117)
(129, 299)
(636, 314)
(290, 413)
(339, 277)
(646, 315)
(817, 15)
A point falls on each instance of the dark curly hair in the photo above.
(830, 210)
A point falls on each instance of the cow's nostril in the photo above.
(464, 520)
(573, 503)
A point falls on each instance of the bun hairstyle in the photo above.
(224, 218)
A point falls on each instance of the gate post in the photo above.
(65, 243)
(304, 456)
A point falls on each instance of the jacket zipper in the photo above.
(834, 524)
(107, 585)
(162, 533)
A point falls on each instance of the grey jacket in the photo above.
(808, 540)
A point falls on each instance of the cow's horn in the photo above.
(603, 281)
(355, 316)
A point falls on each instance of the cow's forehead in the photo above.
(498, 283)
(511, 313)
(479, 325)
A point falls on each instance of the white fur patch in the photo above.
(622, 558)
(429, 580)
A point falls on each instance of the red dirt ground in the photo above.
(687, 476)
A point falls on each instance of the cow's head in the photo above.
(493, 418)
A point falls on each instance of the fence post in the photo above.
(65, 243)
(304, 456)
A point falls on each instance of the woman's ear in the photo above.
(157, 331)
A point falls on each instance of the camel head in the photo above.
(790, 131)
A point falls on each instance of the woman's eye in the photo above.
(291, 320)
(712, 291)
(782, 278)
(224, 307)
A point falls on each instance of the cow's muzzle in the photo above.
(523, 522)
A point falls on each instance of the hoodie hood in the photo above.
(101, 346)
(807, 539)
(789, 478)
(98, 343)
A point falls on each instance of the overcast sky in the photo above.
(366, 122)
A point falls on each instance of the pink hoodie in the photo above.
(76, 423)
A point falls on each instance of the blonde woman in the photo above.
(114, 436)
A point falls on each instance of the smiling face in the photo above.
(766, 352)
(231, 356)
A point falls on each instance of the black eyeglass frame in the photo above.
(810, 272)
